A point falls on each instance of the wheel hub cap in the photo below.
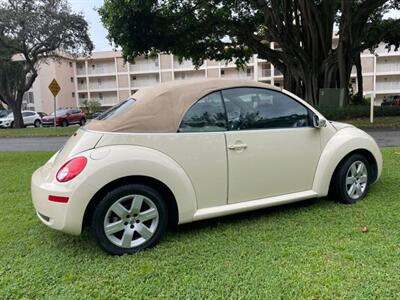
(131, 221)
(356, 180)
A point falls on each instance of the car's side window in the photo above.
(206, 115)
(27, 114)
(257, 108)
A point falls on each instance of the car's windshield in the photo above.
(60, 112)
(4, 113)
(116, 110)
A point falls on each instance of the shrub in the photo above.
(358, 111)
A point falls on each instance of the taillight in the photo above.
(71, 169)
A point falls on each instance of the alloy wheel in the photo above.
(356, 180)
(131, 221)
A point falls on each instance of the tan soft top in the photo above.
(160, 108)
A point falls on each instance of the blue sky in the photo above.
(98, 33)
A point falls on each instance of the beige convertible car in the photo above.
(185, 151)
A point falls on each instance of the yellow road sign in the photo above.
(54, 87)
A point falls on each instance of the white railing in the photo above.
(388, 86)
(238, 75)
(102, 69)
(146, 65)
(82, 87)
(264, 72)
(103, 85)
(143, 82)
(81, 71)
(186, 64)
(394, 67)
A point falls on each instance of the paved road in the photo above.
(384, 138)
(32, 143)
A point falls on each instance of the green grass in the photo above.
(40, 131)
(379, 122)
(309, 250)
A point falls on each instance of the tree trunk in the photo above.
(360, 84)
(16, 109)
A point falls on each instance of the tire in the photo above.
(12, 124)
(64, 123)
(82, 122)
(351, 179)
(129, 234)
(37, 123)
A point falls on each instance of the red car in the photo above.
(65, 117)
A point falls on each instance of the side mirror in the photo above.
(318, 122)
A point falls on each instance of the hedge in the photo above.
(358, 111)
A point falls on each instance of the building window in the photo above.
(73, 95)
(222, 72)
(248, 72)
(70, 64)
(156, 63)
(99, 82)
(72, 79)
(82, 81)
(101, 96)
(133, 77)
(93, 67)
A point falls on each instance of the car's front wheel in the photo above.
(129, 218)
(351, 179)
(64, 123)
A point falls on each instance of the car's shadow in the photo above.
(85, 243)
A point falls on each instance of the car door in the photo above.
(200, 148)
(27, 117)
(272, 147)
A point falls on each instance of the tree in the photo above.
(90, 106)
(32, 31)
(231, 29)
(362, 27)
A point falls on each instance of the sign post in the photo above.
(54, 88)
(371, 116)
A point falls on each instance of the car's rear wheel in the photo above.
(12, 124)
(129, 218)
(351, 179)
(37, 123)
(64, 123)
(82, 122)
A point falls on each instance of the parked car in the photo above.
(391, 100)
(30, 118)
(5, 112)
(65, 117)
(186, 151)
(42, 114)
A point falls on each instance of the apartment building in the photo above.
(106, 78)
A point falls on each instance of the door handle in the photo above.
(237, 147)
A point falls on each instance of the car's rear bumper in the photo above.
(66, 217)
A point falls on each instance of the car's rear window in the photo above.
(116, 110)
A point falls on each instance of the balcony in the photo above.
(187, 75)
(144, 82)
(238, 75)
(102, 85)
(388, 86)
(185, 64)
(144, 65)
(264, 73)
(95, 69)
(82, 86)
(388, 68)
